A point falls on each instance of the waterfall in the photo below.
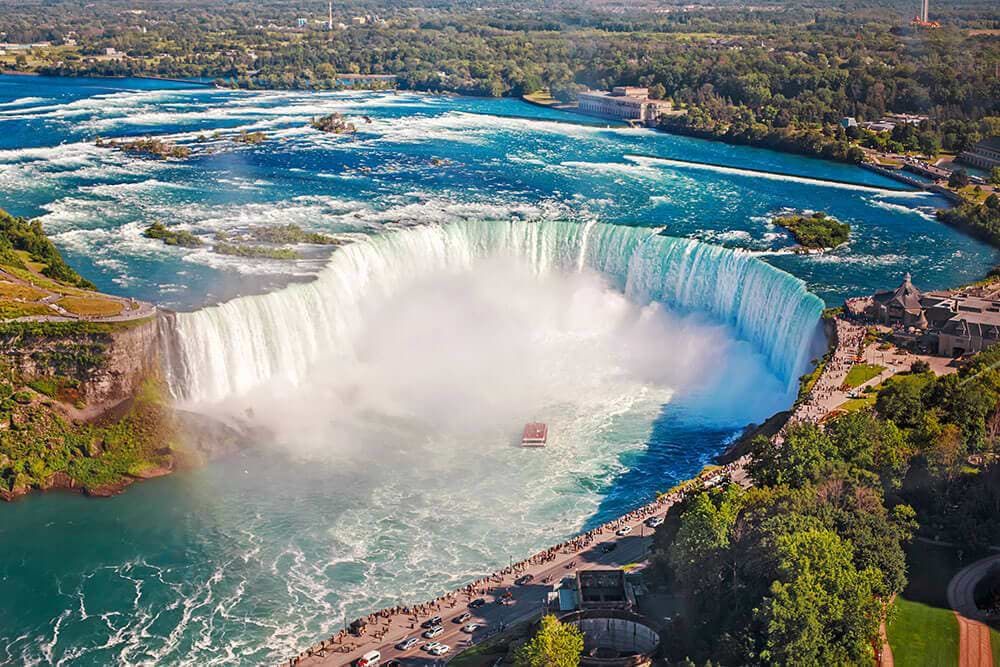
(228, 349)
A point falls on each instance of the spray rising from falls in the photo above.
(230, 349)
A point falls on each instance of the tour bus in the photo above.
(369, 659)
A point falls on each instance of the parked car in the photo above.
(477, 603)
(623, 531)
(526, 579)
(654, 521)
(407, 644)
(431, 633)
(462, 618)
(431, 622)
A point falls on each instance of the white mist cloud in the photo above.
(472, 355)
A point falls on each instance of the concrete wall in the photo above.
(623, 635)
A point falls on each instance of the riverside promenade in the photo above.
(590, 550)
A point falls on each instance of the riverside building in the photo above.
(985, 154)
(626, 103)
(949, 323)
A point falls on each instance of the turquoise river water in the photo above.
(500, 265)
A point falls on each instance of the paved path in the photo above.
(388, 627)
(974, 635)
(599, 548)
(130, 308)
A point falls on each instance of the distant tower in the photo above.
(329, 14)
(923, 10)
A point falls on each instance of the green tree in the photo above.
(995, 176)
(796, 461)
(822, 610)
(958, 179)
(554, 645)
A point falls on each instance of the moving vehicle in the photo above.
(477, 603)
(431, 633)
(623, 531)
(608, 547)
(407, 644)
(462, 618)
(654, 521)
(370, 659)
(440, 649)
(526, 579)
(469, 628)
(430, 646)
(431, 622)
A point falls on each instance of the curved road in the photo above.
(974, 635)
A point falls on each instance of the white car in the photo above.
(431, 633)
(623, 531)
(471, 627)
(430, 646)
(654, 521)
(407, 644)
(463, 617)
(440, 649)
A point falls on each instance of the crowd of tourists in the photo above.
(497, 583)
(850, 344)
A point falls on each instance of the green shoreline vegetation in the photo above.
(815, 231)
(50, 437)
(779, 76)
(800, 568)
(18, 234)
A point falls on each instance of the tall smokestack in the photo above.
(924, 10)
(329, 14)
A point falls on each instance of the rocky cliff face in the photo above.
(102, 364)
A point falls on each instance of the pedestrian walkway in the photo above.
(974, 648)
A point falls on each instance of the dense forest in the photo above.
(777, 75)
(801, 568)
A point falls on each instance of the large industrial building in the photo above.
(623, 103)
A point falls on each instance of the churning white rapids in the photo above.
(476, 327)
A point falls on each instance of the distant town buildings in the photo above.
(624, 103)
(889, 121)
(949, 323)
(984, 155)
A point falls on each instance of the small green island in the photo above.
(176, 237)
(816, 231)
(259, 242)
(255, 251)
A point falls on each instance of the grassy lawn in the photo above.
(96, 307)
(18, 291)
(922, 635)
(10, 310)
(854, 404)
(861, 373)
(995, 645)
